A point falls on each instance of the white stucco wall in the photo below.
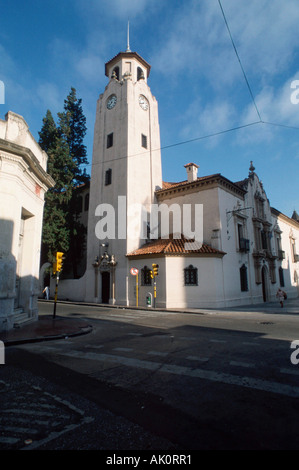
(289, 234)
(23, 183)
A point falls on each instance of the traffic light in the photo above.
(151, 274)
(155, 269)
(54, 267)
(59, 260)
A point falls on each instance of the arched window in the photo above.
(140, 73)
(146, 279)
(281, 276)
(243, 278)
(115, 73)
(190, 276)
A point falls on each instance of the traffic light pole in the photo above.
(155, 292)
(56, 290)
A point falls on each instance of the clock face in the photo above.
(111, 102)
(143, 102)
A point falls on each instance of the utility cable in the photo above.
(238, 57)
(207, 136)
(220, 132)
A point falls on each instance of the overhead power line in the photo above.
(239, 60)
(215, 134)
(207, 136)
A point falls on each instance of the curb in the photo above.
(39, 339)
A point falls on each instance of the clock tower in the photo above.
(126, 171)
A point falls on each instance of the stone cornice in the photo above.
(202, 183)
(127, 55)
(29, 158)
(285, 218)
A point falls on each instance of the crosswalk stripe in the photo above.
(246, 382)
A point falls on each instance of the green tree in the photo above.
(64, 144)
(55, 236)
(72, 124)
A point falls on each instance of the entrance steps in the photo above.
(21, 318)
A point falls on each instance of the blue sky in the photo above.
(49, 46)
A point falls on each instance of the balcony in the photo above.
(244, 246)
(281, 254)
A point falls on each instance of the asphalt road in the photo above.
(156, 381)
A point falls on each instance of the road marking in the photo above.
(56, 435)
(8, 440)
(157, 353)
(188, 338)
(21, 430)
(246, 382)
(198, 358)
(218, 341)
(31, 413)
(123, 349)
(290, 371)
(241, 364)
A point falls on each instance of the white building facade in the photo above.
(249, 249)
(240, 258)
(23, 183)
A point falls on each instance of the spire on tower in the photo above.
(128, 38)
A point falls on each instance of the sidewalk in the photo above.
(44, 329)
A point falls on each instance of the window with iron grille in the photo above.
(243, 278)
(281, 277)
(190, 275)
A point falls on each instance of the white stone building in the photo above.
(23, 183)
(249, 249)
(240, 261)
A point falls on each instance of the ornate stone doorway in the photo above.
(265, 285)
(105, 287)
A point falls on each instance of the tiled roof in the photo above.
(174, 246)
(200, 181)
(166, 185)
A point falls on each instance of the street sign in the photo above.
(134, 271)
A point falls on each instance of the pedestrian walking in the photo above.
(281, 295)
(46, 292)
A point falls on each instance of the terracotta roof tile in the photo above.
(166, 185)
(202, 180)
(174, 246)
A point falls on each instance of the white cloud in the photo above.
(214, 117)
(275, 105)
(50, 96)
(90, 67)
(197, 41)
(265, 33)
(123, 9)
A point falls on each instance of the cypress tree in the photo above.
(64, 144)
(55, 235)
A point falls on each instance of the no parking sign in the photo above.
(134, 271)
